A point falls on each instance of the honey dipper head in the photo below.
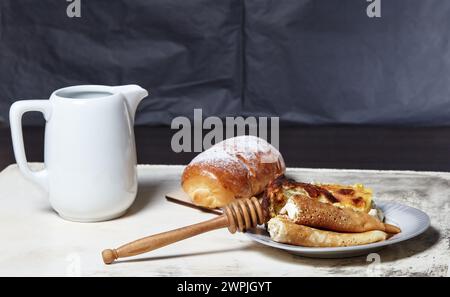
(109, 256)
(244, 214)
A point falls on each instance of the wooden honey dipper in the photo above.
(240, 215)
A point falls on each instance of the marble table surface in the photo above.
(36, 242)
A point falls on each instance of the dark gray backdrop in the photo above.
(307, 61)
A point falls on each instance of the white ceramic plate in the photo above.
(411, 221)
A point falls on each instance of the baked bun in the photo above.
(238, 167)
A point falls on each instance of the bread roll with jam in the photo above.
(239, 167)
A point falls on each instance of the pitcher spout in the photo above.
(133, 95)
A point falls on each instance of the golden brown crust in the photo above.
(357, 196)
(303, 210)
(279, 190)
(283, 230)
(239, 167)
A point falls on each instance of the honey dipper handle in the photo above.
(154, 242)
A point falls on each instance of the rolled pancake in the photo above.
(303, 210)
(282, 230)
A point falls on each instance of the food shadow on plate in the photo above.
(387, 254)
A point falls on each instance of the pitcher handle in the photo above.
(15, 117)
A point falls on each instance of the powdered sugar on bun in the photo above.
(214, 156)
(238, 167)
(246, 146)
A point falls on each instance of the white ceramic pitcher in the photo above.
(90, 156)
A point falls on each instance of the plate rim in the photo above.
(380, 203)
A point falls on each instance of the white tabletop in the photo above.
(35, 241)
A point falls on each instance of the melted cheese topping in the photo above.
(356, 197)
